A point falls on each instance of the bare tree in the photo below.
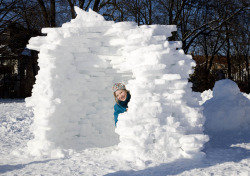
(81, 3)
(44, 12)
(49, 14)
(240, 50)
(6, 15)
(209, 28)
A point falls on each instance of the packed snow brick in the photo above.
(73, 102)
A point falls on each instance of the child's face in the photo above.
(121, 95)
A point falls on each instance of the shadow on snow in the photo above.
(218, 150)
(9, 168)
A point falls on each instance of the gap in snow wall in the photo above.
(73, 102)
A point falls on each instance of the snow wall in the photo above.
(73, 102)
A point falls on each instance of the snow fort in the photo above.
(73, 102)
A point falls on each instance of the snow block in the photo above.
(73, 103)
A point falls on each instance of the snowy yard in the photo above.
(226, 154)
(66, 128)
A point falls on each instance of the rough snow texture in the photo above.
(72, 98)
(15, 121)
(228, 109)
(228, 154)
(205, 95)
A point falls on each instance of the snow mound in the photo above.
(228, 109)
(225, 88)
(72, 98)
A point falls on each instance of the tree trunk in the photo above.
(53, 13)
(138, 12)
(44, 12)
(72, 9)
(229, 71)
(96, 4)
(150, 12)
(170, 13)
(247, 73)
(81, 3)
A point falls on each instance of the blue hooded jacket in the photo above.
(121, 107)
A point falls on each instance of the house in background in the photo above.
(18, 65)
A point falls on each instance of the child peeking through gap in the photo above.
(122, 97)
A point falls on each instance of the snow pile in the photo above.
(72, 98)
(206, 95)
(228, 109)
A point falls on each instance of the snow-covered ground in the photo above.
(227, 152)
(67, 128)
